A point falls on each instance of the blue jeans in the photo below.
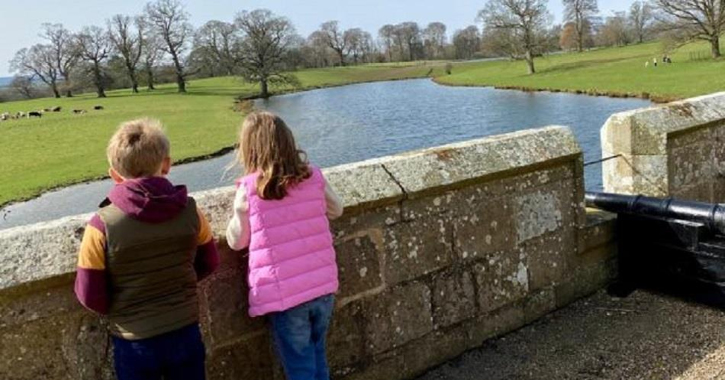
(177, 355)
(299, 336)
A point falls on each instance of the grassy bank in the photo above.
(64, 148)
(615, 71)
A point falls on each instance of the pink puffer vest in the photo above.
(291, 255)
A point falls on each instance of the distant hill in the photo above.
(4, 81)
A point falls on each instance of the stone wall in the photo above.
(438, 250)
(676, 149)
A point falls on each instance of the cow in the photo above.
(34, 114)
(98, 108)
(56, 109)
(47, 109)
(5, 116)
(79, 112)
(20, 115)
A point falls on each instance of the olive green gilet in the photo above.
(151, 272)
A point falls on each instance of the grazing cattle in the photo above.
(47, 109)
(98, 108)
(34, 114)
(20, 115)
(5, 116)
(56, 109)
(80, 112)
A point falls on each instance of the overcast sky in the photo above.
(21, 20)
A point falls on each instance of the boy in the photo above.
(141, 257)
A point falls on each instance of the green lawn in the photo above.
(616, 70)
(62, 148)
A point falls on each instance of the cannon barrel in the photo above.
(711, 215)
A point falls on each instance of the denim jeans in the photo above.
(177, 355)
(299, 336)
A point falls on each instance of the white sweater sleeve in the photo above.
(334, 205)
(238, 231)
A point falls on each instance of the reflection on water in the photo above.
(352, 123)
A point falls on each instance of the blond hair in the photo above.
(138, 148)
(268, 147)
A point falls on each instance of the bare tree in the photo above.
(151, 51)
(467, 42)
(579, 12)
(95, 46)
(320, 53)
(614, 32)
(408, 38)
(640, 18)
(386, 35)
(38, 61)
(171, 23)
(23, 85)
(63, 50)
(266, 38)
(355, 41)
(219, 39)
(434, 39)
(695, 19)
(129, 43)
(525, 19)
(334, 38)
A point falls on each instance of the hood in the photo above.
(150, 200)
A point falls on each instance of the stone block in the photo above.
(227, 316)
(32, 306)
(501, 279)
(415, 248)
(537, 213)
(358, 260)
(363, 185)
(345, 341)
(690, 166)
(397, 316)
(483, 227)
(585, 280)
(539, 303)
(454, 298)
(600, 229)
(251, 358)
(548, 257)
(72, 346)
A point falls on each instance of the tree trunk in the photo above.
(99, 81)
(342, 57)
(263, 88)
(54, 87)
(150, 78)
(69, 94)
(134, 80)
(530, 62)
(181, 83)
(715, 46)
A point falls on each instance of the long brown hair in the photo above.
(268, 147)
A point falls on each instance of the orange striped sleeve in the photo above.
(205, 235)
(92, 254)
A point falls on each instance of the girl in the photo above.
(281, 213)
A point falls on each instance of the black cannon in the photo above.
(668, 245)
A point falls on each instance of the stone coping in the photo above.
(46, 250)
(644, 131)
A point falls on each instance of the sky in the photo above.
(20, 21)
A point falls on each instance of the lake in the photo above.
(357, 122)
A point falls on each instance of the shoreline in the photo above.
(244, 104)
(657, 99)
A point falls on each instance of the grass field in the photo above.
(615, 70)
(62, 148)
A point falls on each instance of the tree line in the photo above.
(160, 44)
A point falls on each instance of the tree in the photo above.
(357, 42)
(64, 53)
(38, 61)
(151, 51)
(567, 40)
(129, 43)
(266, 38)
(408, 38)
(614, 32)
(466, 42)
(95, 46)
(23, 85)
(525, 19)
(434, 40)
(579, 12)
(171, 24)
(333, 37)
(386, 35)
(219, 40)
(694, 19)
(640, 18)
